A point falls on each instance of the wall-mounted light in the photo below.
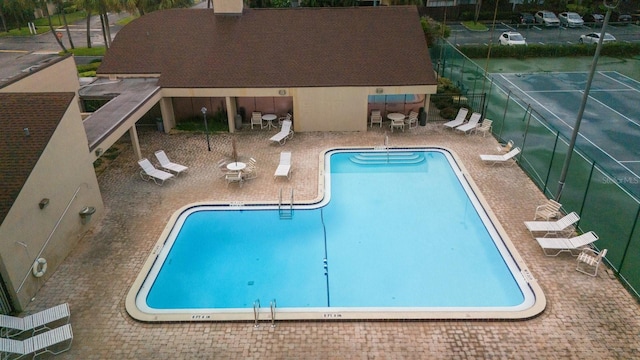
(98, 151)
(379, 91)
(43, 203)
(85, 213)
(282, 92)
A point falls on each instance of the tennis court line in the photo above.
(579, 133)
(614, 111)
(620, 82)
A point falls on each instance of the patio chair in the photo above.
(234, 177)
(166, 164)
(558, 245)
(548, 210)
(459, 120)
(376, 118)
(256, 119)
(503, 148)
(485, 127)
(412, 120)
(284, 167)
(251, 171)
(397, 124)
(562, 226)
(589, 260)
(284, 134)
(149, 172)
(39, 344)
(11, 326)
(508, 158)
(282, 119)
(471, 125)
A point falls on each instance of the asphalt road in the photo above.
(20, 53)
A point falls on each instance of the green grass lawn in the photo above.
(475, 26)
(42, 24)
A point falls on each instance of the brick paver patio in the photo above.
(585, 318)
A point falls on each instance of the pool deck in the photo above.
(585, 318)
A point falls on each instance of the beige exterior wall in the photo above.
(316, 108)
(64, 174)
(227, 6)
(58, 77)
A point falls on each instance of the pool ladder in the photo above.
(285, 210)
(256, 313)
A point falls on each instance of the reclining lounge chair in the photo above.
(149, 172)
(558, 245)
(284, 134)
(166, 164)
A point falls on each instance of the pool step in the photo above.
(392, 157)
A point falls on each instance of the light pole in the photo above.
(206, 126)
(585, 97)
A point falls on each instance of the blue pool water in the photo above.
(396, 230)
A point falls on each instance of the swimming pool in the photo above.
(399, 234)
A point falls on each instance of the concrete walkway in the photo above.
(586, 318)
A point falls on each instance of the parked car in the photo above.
(592, 38)
(511, 38)
(621, 19)
(547, 18)
(524, 18)
(570, 19)
(593, 18)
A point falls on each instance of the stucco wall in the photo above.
(63, 169)
(64, 174)
(316, 108)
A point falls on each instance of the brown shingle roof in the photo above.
(301, 47)
(19, 153)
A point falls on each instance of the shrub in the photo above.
(449, 113)
(617, 49)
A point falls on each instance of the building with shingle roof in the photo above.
(329, 66)
(47, 178)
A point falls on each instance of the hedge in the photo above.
(618, 49)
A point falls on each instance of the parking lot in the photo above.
(539, 35)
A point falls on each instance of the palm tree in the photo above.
(43, 4)
(64, 19)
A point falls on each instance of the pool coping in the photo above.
(322, 314)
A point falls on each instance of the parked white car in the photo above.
(547, 18)
(512, 38)
(592, 38)
(570, 19)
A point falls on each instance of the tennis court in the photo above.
(610, 127)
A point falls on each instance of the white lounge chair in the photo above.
(282, 119)
(459, 120)
(284, 134)
(166, 164)
(149, 172)
(284, 167)
(508, 158)
(558, 245)
(548, 210)
(470, 125)
(11, 326)
(39, 344)
(590, 259)
(256, 119)
(562, 226)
